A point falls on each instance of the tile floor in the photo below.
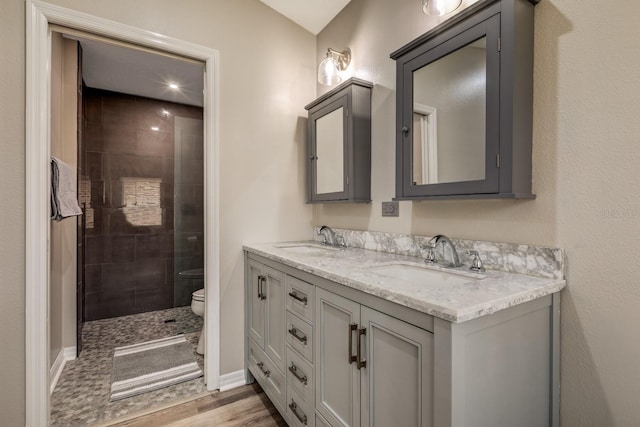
(81, 396)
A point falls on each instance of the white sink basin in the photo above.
(306, 248)
(416, 273)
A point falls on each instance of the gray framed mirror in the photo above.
(339, 144)
(329, 143)
(449, 117)
(464, 106)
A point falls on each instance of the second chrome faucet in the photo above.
(454, 261)
(443, 240)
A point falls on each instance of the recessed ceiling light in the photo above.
(173, 86)
(155, 128)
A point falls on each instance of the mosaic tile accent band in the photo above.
(540, 261)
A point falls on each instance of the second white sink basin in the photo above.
(415, 273)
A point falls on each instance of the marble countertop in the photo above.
(482, 294)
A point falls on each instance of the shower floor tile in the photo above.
(81, 396)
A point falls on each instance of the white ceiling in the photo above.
(137, 72)
(312, 15)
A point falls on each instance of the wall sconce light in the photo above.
(439, 7)
(328, 71)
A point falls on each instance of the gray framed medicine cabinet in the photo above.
(339, 144)
(464, 106)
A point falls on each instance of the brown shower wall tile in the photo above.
(118, 139)
(152, 300)
(130, 249)
(117, 166)
(144, 274)
(154, 143)
(110, 249)
(94, 165)
(93, 136)
(154, 246)
(93, 278)
(102, 305)
(93, 108)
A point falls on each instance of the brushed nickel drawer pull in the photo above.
(294, 370)
(294, 408)
(359, 362)
(267, 372)
(303, 339)
(352, 327)
(261, 280)
(295, 296)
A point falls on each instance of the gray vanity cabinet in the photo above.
(266, 322)
(371, 368)
(339, 144)
(330, 355)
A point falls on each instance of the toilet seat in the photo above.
(198, 295)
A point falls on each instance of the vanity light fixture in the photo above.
(330, 67)
(439, 7)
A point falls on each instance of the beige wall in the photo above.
(12, 181)
(586, 169)
(267, 75)
(63, 243)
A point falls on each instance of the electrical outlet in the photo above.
(390, 209)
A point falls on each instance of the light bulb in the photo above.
(439, 7)
(328, 72)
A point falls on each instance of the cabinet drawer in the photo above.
(300, 336)
(267, 375)
(300, 376)
(299, 413)
(300, 298)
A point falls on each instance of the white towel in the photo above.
(64, 201)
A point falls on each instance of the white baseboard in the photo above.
(65, 354)
(70, 353)
(232, 380)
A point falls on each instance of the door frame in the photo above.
(39, 16)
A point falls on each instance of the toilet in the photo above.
(197, 305)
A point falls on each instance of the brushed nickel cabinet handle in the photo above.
(352, 327)
(267, 372)
(296, 297)
(303, 339)
(294, 408)
(360, 363)
(261, 294)
(259, 286)
(294, 370)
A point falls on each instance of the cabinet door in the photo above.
(255, 306)
(337, 378)
(275, 325)
(397, 382)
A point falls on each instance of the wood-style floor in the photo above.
(241, 406)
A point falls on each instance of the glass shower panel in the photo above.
(188, 209)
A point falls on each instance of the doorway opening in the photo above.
(140, 202)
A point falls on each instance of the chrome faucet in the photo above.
(433, 244)
(328, 234)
